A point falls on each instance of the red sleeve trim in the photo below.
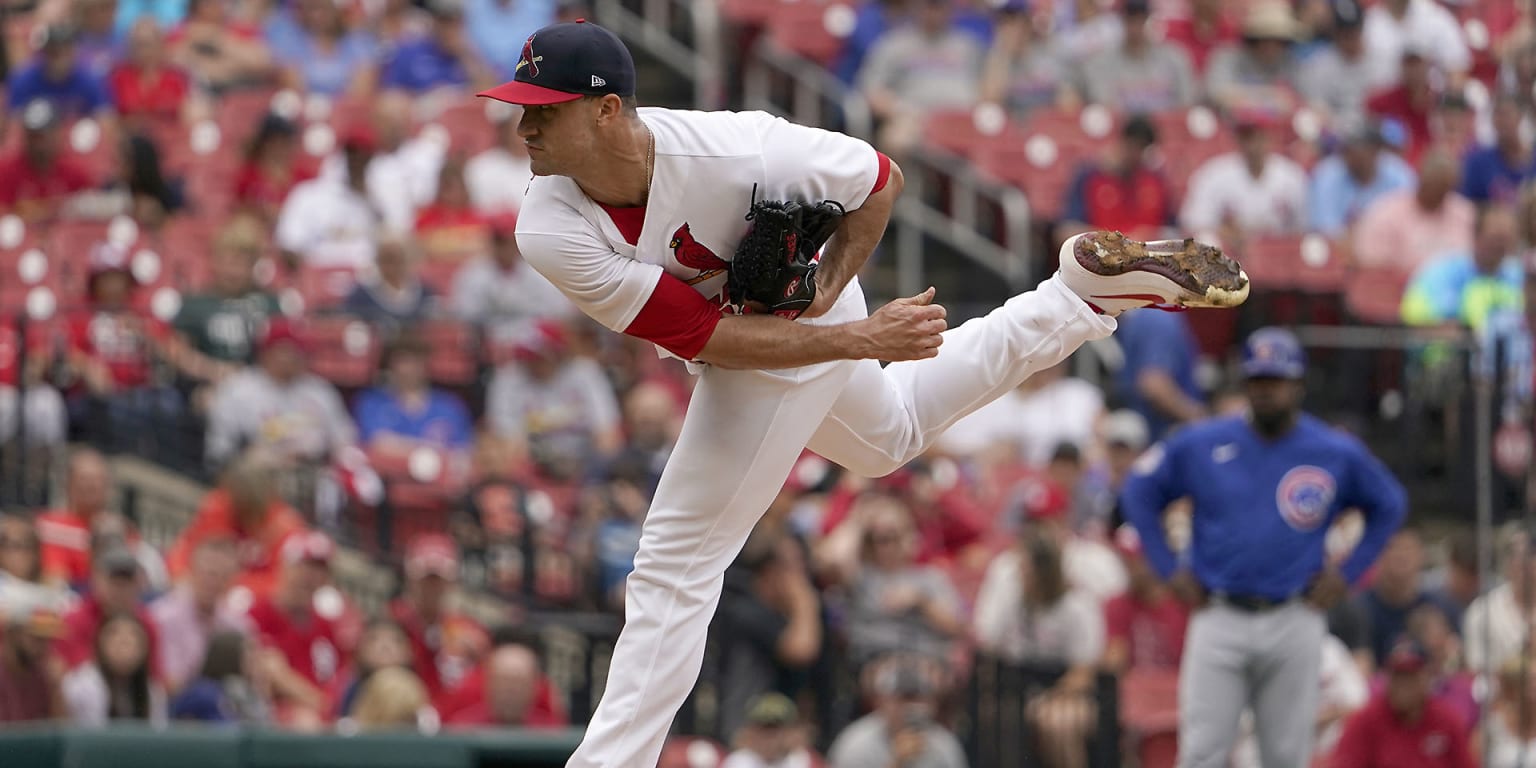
(883, 175)
(676, 318)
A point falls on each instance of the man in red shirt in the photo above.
(38, 176)
(1123, 194)
(515, 693)
(1144, 626)
(66, 533)
(445, 646)
(1206, 28)
(1410, 104)
(1403, 726)
(246, 508)
(117, 586)
(287, 622)
(147, 90)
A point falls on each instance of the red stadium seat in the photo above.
(815, 29)
(1041, 171)
(452, 352)
(1376, 296)
(342, 350)
(967, 132)
(1294, 263)
(469, 130)
(324, 288)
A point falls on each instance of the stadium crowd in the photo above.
(314, 299)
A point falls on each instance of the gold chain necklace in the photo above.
(650, 159)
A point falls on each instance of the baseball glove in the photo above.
(774, 269)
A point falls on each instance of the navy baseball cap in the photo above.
(1273, 353)
(564, 62)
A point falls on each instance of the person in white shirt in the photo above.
(1495, 626)
(503, 294)
(328, 221)
(772, 736)
(498, 177)
(402, 178)
(1424, 25)
(1252, 191)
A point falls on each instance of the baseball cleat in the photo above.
(1114, 273)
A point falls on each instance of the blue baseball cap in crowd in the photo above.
(1273, 353)
(564, 62)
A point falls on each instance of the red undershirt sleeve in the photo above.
(676, 318)
(882, 175)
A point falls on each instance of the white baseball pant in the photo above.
(741, 436)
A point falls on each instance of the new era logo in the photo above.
(598, 81)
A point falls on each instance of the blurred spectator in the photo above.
(1261, 72)
(441, 58)
(502, 294)
(1206, 28)
(272, 167)
(653, 419)
(1337, 79)
(66, 533)
(222, 52)
(279, 405)
(1403, 727)
(58, 77)
(1467, 289)
(771, 737)
(391, 294)
(872, 19)
(451, 228)
(286, 620)
(116, 587)
(903, 728)
(1158, 377)
(1451, 683)
(318, 51)
(116, 683)
(402, 176)
(445, 645)
(148, 90)
(1510, 725)
(894, 604)
(1347, 183)
(1124, 435)
(1456, 584)
(247, 509)
(142, 189)
(1406, 229)
(618, 507)
(768, 630)
(22, 589)
(1143, 626)
(1494, 173)
(1141, 74)
(40, 175)
(515, 693)
(231, 686)
(30, 673)
(1395, 591)
(191, 614)
(495, 28)
(1409, 103)
(1394, 27)
(217, 330)
(559, 408)
(1517, 75)
(383, 645)
(1125, 193)
(1022, 71)
(29, 406)
(391, 699)
(164, 13)
(1496, 626)
(1254, 191)
(1028, 424)
(405, 411)
(915, 70)
(329, 221)
(498, 177)
(1027, 611)
(1083, 28)
(98, 41)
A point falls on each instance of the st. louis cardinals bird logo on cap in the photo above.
(528, 59)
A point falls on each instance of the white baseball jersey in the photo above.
(657, 271)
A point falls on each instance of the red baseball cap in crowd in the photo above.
(564, 62)
(1406, 656)
(546, 339)
(359, 135)
(1042, 499)
(432, 554)
(281, 330)
(308, 547)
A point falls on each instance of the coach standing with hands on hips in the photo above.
(1265, 487)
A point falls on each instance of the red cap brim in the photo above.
(518, 92)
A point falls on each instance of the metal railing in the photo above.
(682, 34)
